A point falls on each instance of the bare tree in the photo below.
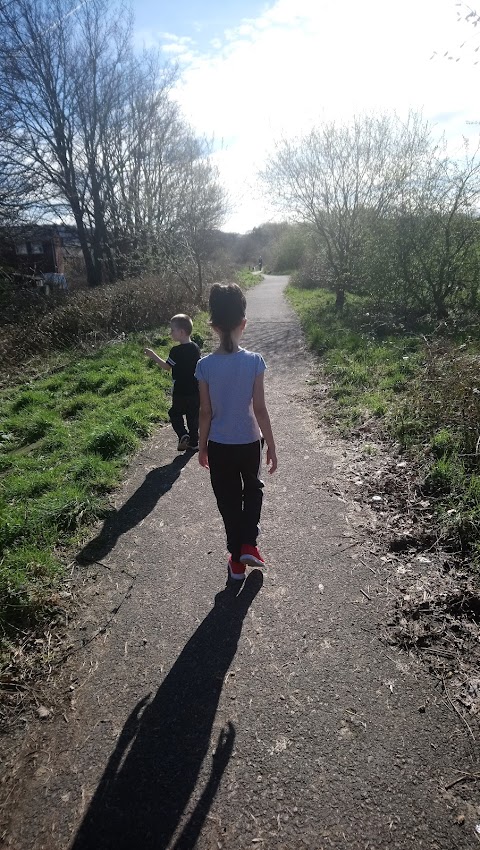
(201, 205)
(436, 235)
(17, 189)
(37, 94)
(97, 125)
(101, 76)
(164, 195)
(143, 155)
(334, 175)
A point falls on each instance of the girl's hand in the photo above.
(203, 458)
(271, 460)
(149, 353)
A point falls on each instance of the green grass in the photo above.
(367, 373)
(421, 393)
(64, 442)
(247, 279)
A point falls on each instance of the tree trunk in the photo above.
(199, 278)
(441, 310)
(340, 298)
(92, 279)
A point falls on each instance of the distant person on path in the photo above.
(233, 417)
(182, 361)
(260, 264)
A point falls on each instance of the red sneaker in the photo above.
(251, 556)
(236, 570)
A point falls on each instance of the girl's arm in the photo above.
(205, 418)
(156, 359)
(263, 419)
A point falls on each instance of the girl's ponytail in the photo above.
(227, 341)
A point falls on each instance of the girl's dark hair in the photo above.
(227, 305)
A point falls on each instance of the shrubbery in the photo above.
(38, 325)
(424, 389)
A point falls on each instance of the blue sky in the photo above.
(202, 20)
(253, 72)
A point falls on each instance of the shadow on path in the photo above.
(155, 766)
(158, 482)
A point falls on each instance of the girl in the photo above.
(232, 413)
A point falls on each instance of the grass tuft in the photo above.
(111, 441)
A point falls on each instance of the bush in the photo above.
(40, 325)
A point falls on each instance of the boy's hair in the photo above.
(227, 305)
(183, 322)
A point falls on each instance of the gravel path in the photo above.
(275, 718)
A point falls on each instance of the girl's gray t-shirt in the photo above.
(230, 379)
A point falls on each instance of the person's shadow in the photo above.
(154, 768)
(158, 482)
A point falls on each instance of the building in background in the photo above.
(39, 255)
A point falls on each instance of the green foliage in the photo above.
(27, 580)
(286, 254)
(444, 442)
(138, 418)
(443, 476)
(29, 428)
(101, 474)
(387, 212)
(111, 441)
(73, 406)
(198, 339)
(367, 369)
(246, 279)
(424, 391)
(118, 382)
(28, 400)
(90, 381)
(64, 441)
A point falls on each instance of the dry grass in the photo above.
(34, 325)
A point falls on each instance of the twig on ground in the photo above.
(456, 710)
(465, 775)
(350, 546)
(441, 652)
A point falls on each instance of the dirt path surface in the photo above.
(269, 718)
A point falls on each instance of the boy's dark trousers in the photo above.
(188, 406)
(234, 473)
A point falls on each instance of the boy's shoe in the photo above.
(183, 443)
(236, 570)
(192, 447)
(251, 556)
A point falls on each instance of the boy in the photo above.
(182, 361)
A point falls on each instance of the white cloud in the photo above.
(181, 48)
(303, 60)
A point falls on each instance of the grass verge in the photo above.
(420, 391)
(246, 279)
(65, 438)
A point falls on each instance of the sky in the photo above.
(252, 73)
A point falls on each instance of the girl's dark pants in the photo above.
(234, 473)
